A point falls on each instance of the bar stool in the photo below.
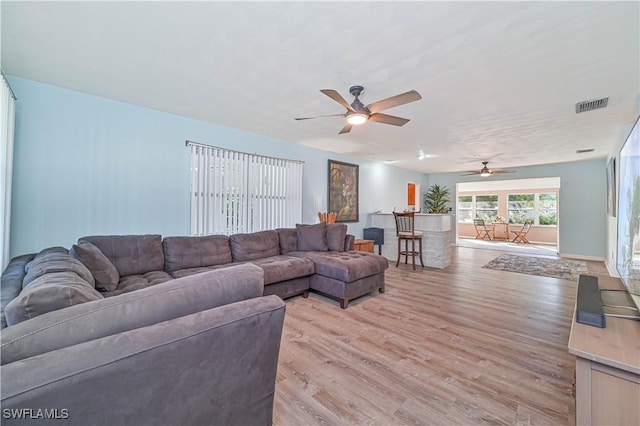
(406, 232)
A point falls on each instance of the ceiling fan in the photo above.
(485, 171)
(357, 113)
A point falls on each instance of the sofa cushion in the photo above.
(345, 266)
(11, 282)
(50, 292)
(55, 262)
(288, 240)
(194, 252)
(312, 237)
(138, 282)
(42, 253)
(254, 246)
(100, 318)
(104, 272)
(190, 271)
(131, 254)
(283, 268)
(335, 236)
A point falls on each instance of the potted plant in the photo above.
(436, 198)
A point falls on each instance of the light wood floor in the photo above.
(463, 345)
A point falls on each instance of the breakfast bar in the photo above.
(436, 237)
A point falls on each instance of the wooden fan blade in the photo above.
(388, 119)
(470, 174)
(496, 172)
(337, 97)
(394, 101)
(319, 116)
(345, 129)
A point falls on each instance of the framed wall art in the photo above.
(343, 191)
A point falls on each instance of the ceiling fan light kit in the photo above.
(357, 113)
(357, 118)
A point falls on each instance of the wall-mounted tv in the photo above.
(628, 255)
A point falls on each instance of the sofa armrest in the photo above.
(11, 282)
(213, 367)
(349, 242)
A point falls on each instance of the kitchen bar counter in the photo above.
(436, 237)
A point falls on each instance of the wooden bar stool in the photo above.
(406, 232)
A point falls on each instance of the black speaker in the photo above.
(375, 234)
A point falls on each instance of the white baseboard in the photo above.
(611, 269)
(582, 257)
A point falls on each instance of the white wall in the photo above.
(86, 165)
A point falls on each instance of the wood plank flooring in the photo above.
(463, 346)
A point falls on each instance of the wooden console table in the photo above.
(607, 368)
(363, 245)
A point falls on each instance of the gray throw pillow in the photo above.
(50, 262)
(104, 272)
(288, 240)
(44, 253)
(312, 237)
(335, 236)
(49, 292)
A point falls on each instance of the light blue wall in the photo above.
(87, 165)
(582, 203)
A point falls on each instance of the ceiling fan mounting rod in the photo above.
(356, 90)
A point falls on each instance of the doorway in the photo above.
(413, 197)
(505, 205)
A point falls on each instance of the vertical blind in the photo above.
(7, 115)
(236, 192)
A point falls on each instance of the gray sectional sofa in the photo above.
(198, 350)
(137, 329)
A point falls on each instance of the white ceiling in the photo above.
(499, 80)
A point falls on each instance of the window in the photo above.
(477, 206)
(548, 209)
(521, 208)
(7, 120)
(465, 208)
(234, 192)
(538, 208)
(486, 207)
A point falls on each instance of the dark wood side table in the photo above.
(363, 245)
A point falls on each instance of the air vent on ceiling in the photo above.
(591, 105)
(584, 151)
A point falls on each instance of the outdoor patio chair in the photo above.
(482, 231)
(521, 235)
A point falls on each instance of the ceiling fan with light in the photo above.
(357, 113)
(486, 172)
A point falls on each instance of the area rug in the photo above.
(533, 265)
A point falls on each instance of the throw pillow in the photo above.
(44, 253)
(288, 240)
(335, 236)
(104, 272)
(312, 237)
(49, 292)
(55, 262)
